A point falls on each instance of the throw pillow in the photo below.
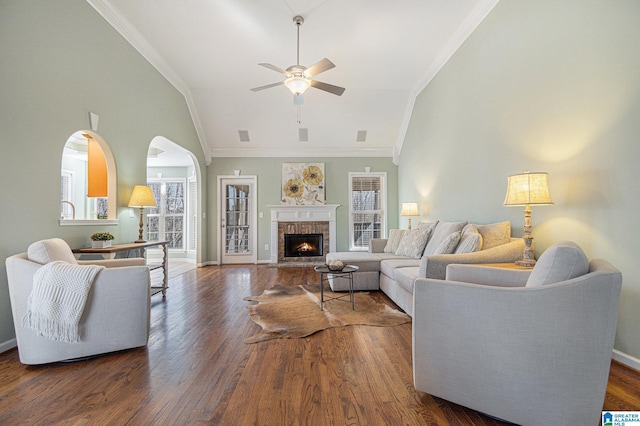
(448, 245)
(45, 251)
(395, 236)
(560, 262)
(495, 234)
(440, 234)
(470, 240)
(426, 225)
(413, 242)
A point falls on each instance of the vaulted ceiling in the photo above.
(385, 52)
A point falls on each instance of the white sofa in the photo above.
(115, 316)
(532, 347)
(392, 266)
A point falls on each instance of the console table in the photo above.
(139, 248)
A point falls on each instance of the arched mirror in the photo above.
(87, 180)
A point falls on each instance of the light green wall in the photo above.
(269, 177)
(61, 60)
(545, 86)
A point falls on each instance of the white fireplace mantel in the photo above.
(311, 213)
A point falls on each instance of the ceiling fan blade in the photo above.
(336, 90)
(320, 66)
(268, 86)
(274, 68)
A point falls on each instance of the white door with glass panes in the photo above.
(238, 224)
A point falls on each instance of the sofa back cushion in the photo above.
(449, 244)
(441, 233)
(45, 251)
(413, 242)
(395, 236)
(560, 262)
(495, 234)
(470, 240)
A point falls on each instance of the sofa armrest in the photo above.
(488, 275)
(435, 266)
(377, 245)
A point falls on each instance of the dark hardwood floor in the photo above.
(196, 369)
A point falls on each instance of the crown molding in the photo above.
(468, 26)
(302, 152)
(116, 19)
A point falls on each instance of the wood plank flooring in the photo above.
(197, 370)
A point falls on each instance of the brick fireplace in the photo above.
(318, 222)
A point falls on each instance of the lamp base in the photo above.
(139, 241)
(527, 263)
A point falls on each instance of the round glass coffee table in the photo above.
(326, 274)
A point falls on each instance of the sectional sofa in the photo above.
(393, 264)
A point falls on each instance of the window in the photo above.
(167, 221)
(87, 196)
(367, 207)
(193, 214)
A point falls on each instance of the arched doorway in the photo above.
(174, 175)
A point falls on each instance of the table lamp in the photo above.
(409, 209)
(527, 189)
(141, 197)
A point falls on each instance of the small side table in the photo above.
(511, 265)
(326, 274)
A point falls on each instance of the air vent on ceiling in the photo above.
(244, 135)
(362, 136)
(303, 134)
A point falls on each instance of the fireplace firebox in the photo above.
(303, 245)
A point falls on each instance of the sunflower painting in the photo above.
(302, 183)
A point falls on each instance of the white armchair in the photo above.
(115, 316)
(530, 347)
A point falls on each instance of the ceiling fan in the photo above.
(299, 77)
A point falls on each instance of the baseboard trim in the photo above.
(9, 344)
(626, 359)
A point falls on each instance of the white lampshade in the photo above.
(528, 188)
(142, 196)
(409, 209)
(297, 84)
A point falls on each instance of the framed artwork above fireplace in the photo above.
(303, 184)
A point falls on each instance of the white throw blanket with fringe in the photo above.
(57, 300)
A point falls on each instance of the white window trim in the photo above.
(383, 205)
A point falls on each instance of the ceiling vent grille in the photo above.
(303, 134)
(362, 136)
(244, 135)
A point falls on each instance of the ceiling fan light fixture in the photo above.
(297, 84)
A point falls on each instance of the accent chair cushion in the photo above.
(495, 234)
(413, 242)
(395, 236)
(45, 251)
(470, 240)
(560, 262)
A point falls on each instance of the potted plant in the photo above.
(101, 240)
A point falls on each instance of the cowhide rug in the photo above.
(287, 312)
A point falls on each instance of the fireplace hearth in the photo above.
(303, 245)
(303, 220)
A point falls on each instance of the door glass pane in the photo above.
(237, 219)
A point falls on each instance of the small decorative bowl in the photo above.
(335, 268)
